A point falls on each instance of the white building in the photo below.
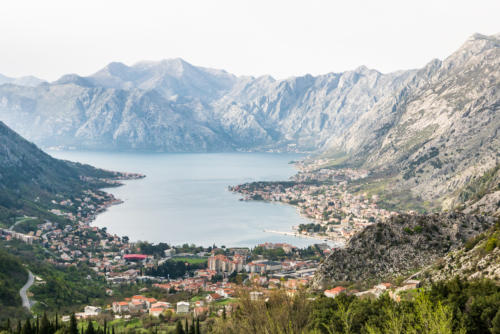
(182, 307)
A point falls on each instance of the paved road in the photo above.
(24, 289)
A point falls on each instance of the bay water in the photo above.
(184, 197)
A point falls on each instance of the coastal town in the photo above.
(168, 282)
(322, 196)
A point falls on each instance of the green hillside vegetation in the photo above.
(65, 289)
(30, 179)
(488, 182)
(13, 275)
(448, 307)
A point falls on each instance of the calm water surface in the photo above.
(184, 197)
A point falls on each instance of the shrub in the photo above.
(491, 244)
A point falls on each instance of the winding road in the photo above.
(24, 289)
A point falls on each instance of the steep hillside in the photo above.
(30, 179)
(399, 246)
(438, 135)
(478, 258)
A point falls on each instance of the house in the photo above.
(120, 307)
(182, 307)
(89, 311)
(213, 297)
(163, 305)
(412, 284)
(332, 293)
(156, 311)
(136, 306)
(408, 285)
(199, 311)
(255, 295)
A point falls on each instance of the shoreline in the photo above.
(338, 244)
(124, 176)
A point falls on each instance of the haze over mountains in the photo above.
(437, 127)
(173, 106)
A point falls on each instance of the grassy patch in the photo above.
(191, 260)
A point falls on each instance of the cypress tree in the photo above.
(178, 328)
(197, 328)
(90, 328)
(73, 325)
(45, 327)
(186, 330)
(19, 326)
(27, 328)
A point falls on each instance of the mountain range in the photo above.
(433, 130)
(173, 106)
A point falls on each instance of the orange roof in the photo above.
(156, 309)
(138, 297)
(122, 303)
(336, 290)
(151, 300)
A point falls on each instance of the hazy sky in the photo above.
(282, 38)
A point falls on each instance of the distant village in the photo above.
(321, 195)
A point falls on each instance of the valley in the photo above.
(390, 185)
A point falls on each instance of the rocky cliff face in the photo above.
(478, 258)
(399, 246)
(440, 132)
(174, 106)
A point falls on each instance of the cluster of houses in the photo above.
(341, 213)
(140, 304)
(9, 234)
(376, 291)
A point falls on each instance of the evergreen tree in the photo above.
(27, 329)
(7, 325)
(178, 328)
(90, 328)
(186, 327)
(191, 328)
(19, 326)
(45, 325)
(197, 328)
(73, 325)
(495, 324)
